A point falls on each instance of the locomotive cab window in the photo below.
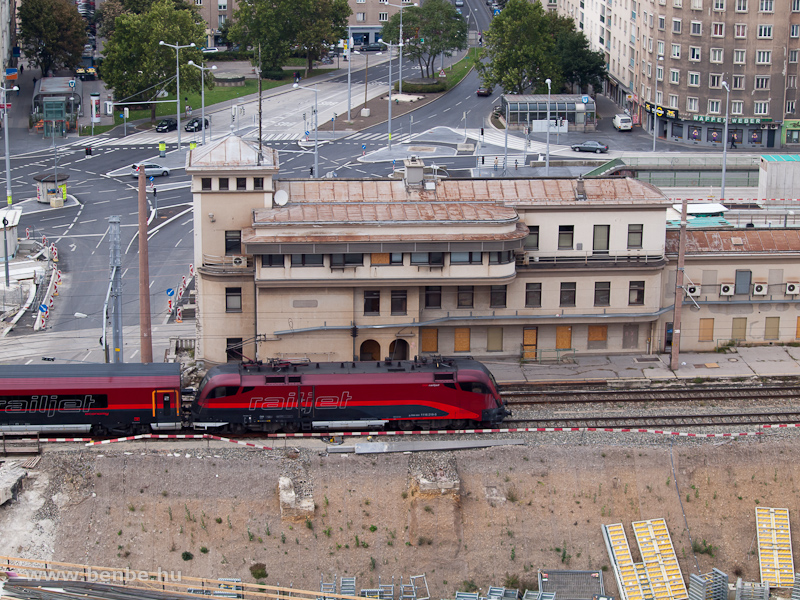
(223, 391)
(476, 387)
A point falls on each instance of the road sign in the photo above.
(43, 308)
(170, 292)
(72, 83)
(496, 11)
(6, 106)
(441, 73)
(585, 99)
(121, 115)
(306, 133)
(151, 178)
(363, 146)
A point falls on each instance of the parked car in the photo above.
(485, 91)
(459, 2)
(167, 125)
(149, 169)
(622, 122)
(458, 10)
(590, 146)
(194, 125)
(375, 47)
(210, 50)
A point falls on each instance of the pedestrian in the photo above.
(516, 163)
(495, 163)
(34, 82)
(21, 69)
(733, 142)
(311, 172)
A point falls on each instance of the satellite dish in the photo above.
(281, 197)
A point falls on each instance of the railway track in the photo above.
(659, 421)
(704, 394)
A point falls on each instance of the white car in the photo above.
(149, 169)
(622, 123)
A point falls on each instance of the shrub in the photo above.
(258, 571)
(186, 555)
(203, 550)
(424, 88)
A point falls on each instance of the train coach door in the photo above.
(164, 403)
(305, 395)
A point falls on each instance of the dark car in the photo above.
(371, 47)
(194, 125)
(485, 91)
(167, 125)
(590, 146)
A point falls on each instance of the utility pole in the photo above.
(679, 294)
(145, 336)
(116, 287)
(258, 73)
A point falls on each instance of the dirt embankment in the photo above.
(519, 509)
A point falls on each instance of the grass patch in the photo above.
(702, 547)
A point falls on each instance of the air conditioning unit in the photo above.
(726, 289)
(759, 289)
(792, 289)
(239, 261)
(692, 290)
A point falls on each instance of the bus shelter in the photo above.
(567, 112)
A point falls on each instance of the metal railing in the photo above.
(232, 262)
(588, 257)
(677, 178)
(693, 161)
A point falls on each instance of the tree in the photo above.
(52, 33)
(520, 49)
(322, 23)
(430, 30)
(106, 16)
(137, 67)
(271, 23)
(579, 65)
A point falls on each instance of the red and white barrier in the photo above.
(27, 233)
(177, 436)
(191, 271)
(179, 315)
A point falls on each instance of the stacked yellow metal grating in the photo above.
(624, 567)
(775, 546)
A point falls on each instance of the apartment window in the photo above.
(716, 55)
(674, 76)
(765, 32)
(222, 5)
(677, 3)
(241, 183)
(272, 260)
(694, 79)
(307, 260)
(660, 48)
(430, 259)
(741, 5)
(713, 107)
(795, 5)
(692, 104)
(635, 236)
(794, 31)
(793, 56)
(566, 234)
(676, 25)
(636, 293)
(567, 296)
(602, 293)
(465, 296)
(706, 332)
(673, 101)
(198, 2)
(497, 296)
(258, 183)
(790, 105)
(533, 295)
(763, 57)
(383, 17)
(659, 72)
(697, 4)
(399, 302)
(737, 82)
(351, 259)
(501, 258)
(223, 184)
(766, 6)
(233, 299)
(662, 22)
(718, 29)
(739, 57)
(361, 17)
(694, 53)
(205, 183)
(715, 81)
(433, 296)
(762, 82)
(737, 107)
(740, 31)
(719, 5)
(372, 302)
(233, 350)
(532, 241)
(675, 51)
(761, 108)
(461, 339)
(466, 258)
(233, 242)
(697, 28)
(361, 1)
(494, 339)
(791, 81)
(601, 237)
(221, 20)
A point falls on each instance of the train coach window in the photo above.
(222, 391)
(476, 387)
(274, 379)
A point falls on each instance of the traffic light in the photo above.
(481, 131)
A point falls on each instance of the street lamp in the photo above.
(178, 73)
(297, 86)
(547, 156)
(725, 138)
(655, 106)
(5, 130)
(400, 6)
(349, 57)
(389, 45)
(203, 94)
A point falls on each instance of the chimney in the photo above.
(580, 190)
(414, 168)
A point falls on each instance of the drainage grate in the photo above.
(647, 359)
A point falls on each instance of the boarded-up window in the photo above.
(494, 339)
(772, 328)
(739, 328)
(379, 258)
(706, 333)
(429, 340)
(461, 339)
(797, 332)
(598, 337)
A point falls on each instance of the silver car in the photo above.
(149, 169)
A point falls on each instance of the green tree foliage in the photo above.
(270, 23)
(579, 65)
(429, 30)
(137, 67)
(323, 22)
(109, 10)
(520, 49)
(52, 33)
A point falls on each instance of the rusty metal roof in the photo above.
(736, 241)
(231, 151)
(404, 213)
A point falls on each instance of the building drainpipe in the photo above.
(679, 293)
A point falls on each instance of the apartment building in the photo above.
(369, 16)
(690, 61)
(215, 13)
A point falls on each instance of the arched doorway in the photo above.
(370, 350)
(398, 350)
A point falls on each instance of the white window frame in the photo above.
(660, 48)
(737, 107)
(718, 29)
(696, 28)
(675, 76)
(763, 57)
(361, 17)
(790, 107)
(739, 56)
(760, 108)
(662, 23)
(764, 31)
(715, 81)
(766, 6)
(737, 82)
(673, 100)
(794, 31)
(741, 6)
(740, 31)
(719, 5)
(717, 55)
(795, 5)
(793, 56)
(761, 82)
(693, 79)
(695, 53)
(791, 82)
(714, 107)
(677, 25)
(383, 17)
(675, 51)
(697, 4)
(692, 104)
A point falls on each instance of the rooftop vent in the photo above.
(580, 190)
